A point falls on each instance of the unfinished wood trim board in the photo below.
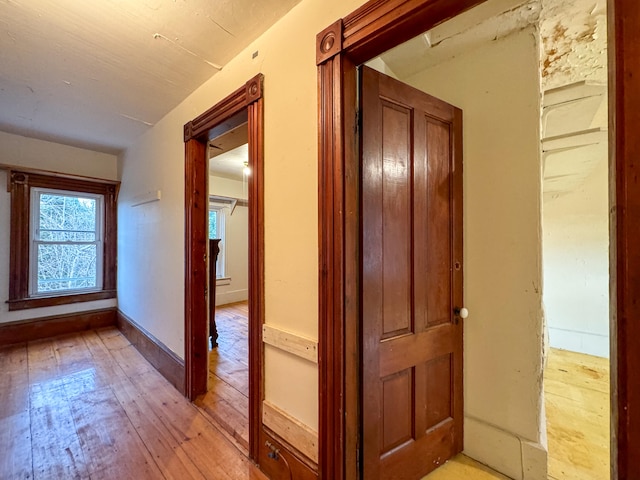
(296, 433)
(290, 342)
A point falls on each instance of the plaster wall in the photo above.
(497, 87)
(151, 236)
(576, 266)
(574, 42)
(236, 245)
(27, 152)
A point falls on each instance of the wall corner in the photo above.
(534, 461)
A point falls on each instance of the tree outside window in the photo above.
(66, 241)
(217, 231)
(63, 239)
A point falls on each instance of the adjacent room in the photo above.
(228, 386)
(531, 80)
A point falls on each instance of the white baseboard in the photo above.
(582, 342)
(504, 452)
(223, 298)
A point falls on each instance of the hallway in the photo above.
(90, 406)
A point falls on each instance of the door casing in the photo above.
(372, 29)
(249, 97)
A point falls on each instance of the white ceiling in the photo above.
(97, 74)
(230, 164)
(488, 21)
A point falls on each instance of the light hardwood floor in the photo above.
(90, 406)
(577, 404)
(576, 388)
(227, 398)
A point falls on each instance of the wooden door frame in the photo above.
(249, 97)
(372, 29)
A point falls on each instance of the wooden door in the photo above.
(412, 412)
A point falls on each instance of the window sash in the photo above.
(36, 242)
(220, 231)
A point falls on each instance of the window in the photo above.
(63, 240)
(216, 230)
(66, 242)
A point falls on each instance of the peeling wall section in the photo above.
(573, 42)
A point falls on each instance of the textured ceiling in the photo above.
(97, 74)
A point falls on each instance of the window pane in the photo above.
(65, 267)
(65, 218)
(213, 224)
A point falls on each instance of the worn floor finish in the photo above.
(227, 398)
(80, 406)
(577, 403)
(576, 388)
(89, 406)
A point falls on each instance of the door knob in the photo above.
(461, 312)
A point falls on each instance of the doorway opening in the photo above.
(227, 397)
(242, 111)
(494, 44)
(488, 64)
(575, 225)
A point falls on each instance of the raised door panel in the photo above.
(411, 340)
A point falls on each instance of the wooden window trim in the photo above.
(20, 183)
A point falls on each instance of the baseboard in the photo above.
(582, 342)
(232, 296)
(503, 451)
(54, 325)
(289, 462)
(157, 354)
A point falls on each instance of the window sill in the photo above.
(25, 303)
(223, 281)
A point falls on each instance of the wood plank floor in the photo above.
(576, 388)
(89, 406)
(227, 399)
(577, 404)
(79, 406)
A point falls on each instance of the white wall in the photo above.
(576, 266)
(497, 87)
(30, 153)
(236, 246)
(503, 348)
(151, 237)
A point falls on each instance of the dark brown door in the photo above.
(412, 413)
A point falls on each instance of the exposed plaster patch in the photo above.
(573, 42)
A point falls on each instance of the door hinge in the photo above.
(357, 125)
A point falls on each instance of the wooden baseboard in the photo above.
(289, 463)
(157, 354)
(54, 325)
